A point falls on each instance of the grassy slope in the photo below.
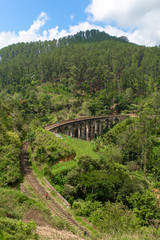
(81, 147)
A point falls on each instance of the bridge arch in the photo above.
(86, 128)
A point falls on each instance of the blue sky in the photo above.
(26, 20)
(16, 15)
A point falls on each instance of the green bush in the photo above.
(108, 218)
(48, 149)
(86, 208)
(10, 148)
(17, 230)
(115, 218)
(144, 206)
(156, 185)
(60, 170)
(101, 180)
(13, 203)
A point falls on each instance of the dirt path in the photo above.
(53, 234)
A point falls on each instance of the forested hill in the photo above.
(90, 62)
(12, 51)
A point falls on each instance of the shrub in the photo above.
(156, 185)
(114, 217)
(144, 205)
(86, 208)
(133, 166)
(48, 149)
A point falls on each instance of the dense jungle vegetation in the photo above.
(111, 181)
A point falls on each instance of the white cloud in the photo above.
(32, 34)
(142, 15)
(139, 18)
(126, 13)
(83, 26)
(72, 17)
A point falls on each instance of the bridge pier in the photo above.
(109, 124)
(71, 133)
(100, 128)
(67, 132)
(87, 132)
(83, 132)
(79, 131)
(92, 135)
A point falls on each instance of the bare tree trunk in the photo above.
(145, 162)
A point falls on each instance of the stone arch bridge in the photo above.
(86, 128)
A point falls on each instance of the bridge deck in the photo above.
(54, 125)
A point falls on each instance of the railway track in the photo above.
(40, 191)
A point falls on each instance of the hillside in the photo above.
(109, 180)
(107, 69)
